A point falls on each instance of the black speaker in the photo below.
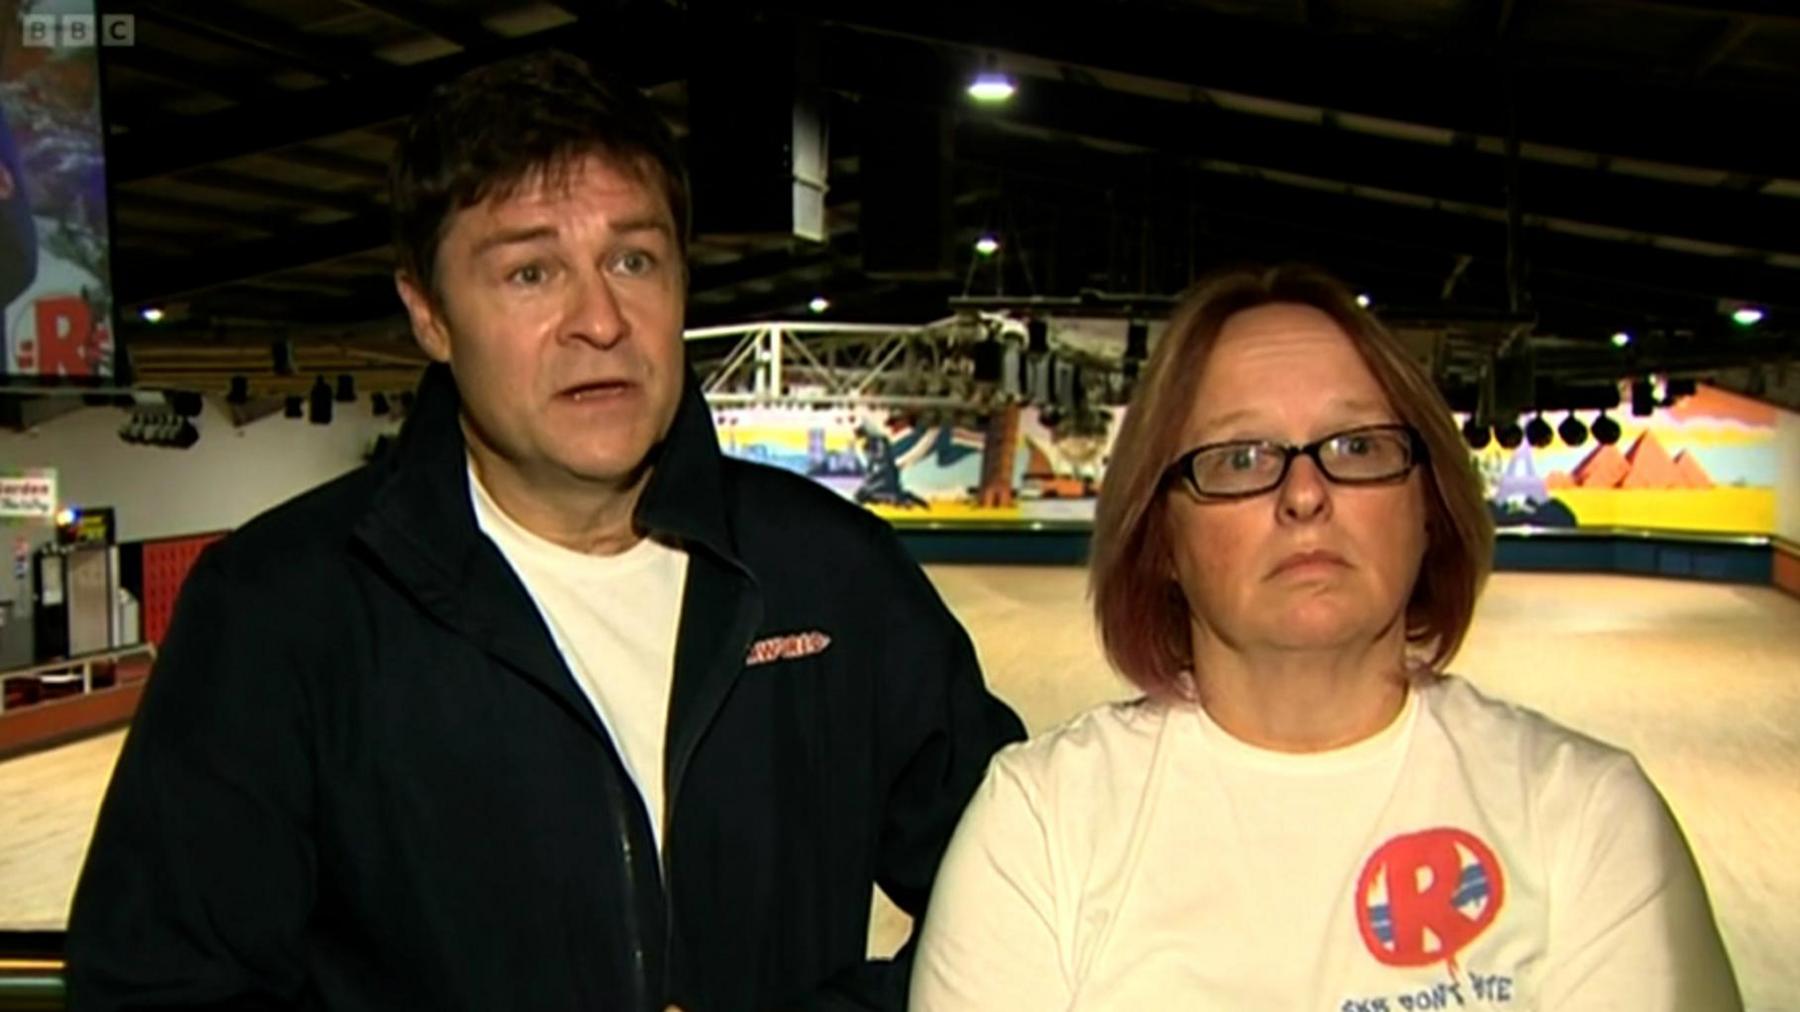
(1515, 382)
(757, 127)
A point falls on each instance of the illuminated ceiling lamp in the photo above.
(990, 85)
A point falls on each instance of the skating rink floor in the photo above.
(1700, 681)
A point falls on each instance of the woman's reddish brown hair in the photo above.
(1142, 614)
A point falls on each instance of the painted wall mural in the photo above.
(1707, 464)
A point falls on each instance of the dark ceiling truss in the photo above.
(1454, 88)
(445, 23)
(1652, 188)
(1361, 168)
(242, 28)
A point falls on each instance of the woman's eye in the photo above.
(1244, 458)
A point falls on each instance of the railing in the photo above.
(68, 669)
(31, 971)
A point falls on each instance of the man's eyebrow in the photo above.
(514, 236)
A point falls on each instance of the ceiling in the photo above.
(1488, 170)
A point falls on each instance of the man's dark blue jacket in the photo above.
(363, 778)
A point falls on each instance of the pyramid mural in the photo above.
(1692, 474)
(1606, 467)
(1651, 466)
(1646, 465)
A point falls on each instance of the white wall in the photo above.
(226, 478)
(1787, 476)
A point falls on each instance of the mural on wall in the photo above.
(1018, 464)
(1706, 464)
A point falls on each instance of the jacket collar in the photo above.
(422, 506)
(421, 526)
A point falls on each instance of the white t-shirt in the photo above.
(1472, 855)
(614, 618)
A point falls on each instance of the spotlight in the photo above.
(1364, 301)
(1509, 435)
(319, 402)
(1537, 432)
(185, 403)
(987, 245)
(346, 389)
(1621, 339)
(1606, 431)
(1643, 399)
(1476, 435)
(378, 404)
(240, 391)
(295, 407)
(1747, 316)
(819, 304)
(152, 314)
(159, 427)
(1573, 431)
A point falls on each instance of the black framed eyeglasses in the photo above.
(1239, 469)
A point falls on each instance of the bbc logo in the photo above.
(78, 31)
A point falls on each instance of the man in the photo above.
(552, 706)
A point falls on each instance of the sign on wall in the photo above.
(28, 494)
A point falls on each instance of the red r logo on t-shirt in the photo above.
(1422, 897)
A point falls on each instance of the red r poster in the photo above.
(56, 324)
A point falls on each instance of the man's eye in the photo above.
(529, 274)
(633, 263)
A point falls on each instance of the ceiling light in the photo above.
(987, 245)
(991, 86)
(819, 304)
(1363, 300)
(1747, 316)
(1621, 339)
(151, 314)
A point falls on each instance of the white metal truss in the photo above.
(821, 364)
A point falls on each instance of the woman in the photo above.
(1304, 812)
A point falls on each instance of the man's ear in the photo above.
(428, 325)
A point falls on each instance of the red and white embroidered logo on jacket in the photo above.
(782, 648)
